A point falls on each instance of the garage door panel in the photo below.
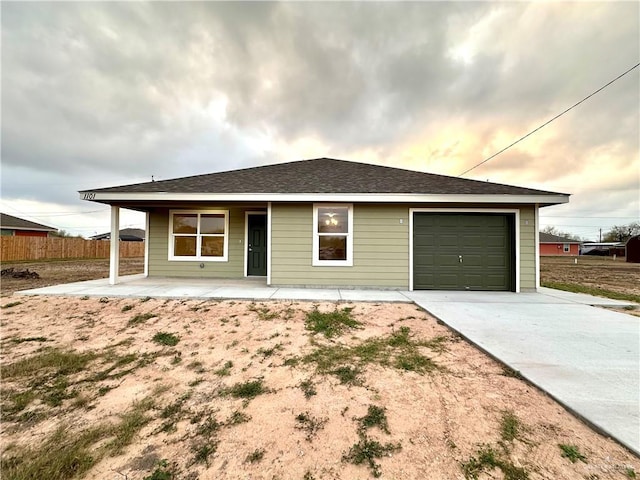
(485, 242)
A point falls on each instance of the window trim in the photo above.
(566, 248)
(316, 262)
(198, 235)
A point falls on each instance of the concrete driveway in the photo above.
(587, 358)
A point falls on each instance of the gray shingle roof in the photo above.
(548, 238)
(323, 175)
(125, 233)
(15, 223)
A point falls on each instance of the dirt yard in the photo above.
(64, 271)
(598, 272)
(136, 389)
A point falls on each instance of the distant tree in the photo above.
(551, 230)
(64, 234)
(622, 233)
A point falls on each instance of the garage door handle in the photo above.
(460, 258)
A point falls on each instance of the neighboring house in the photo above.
(602, 249)
(17, 227)
(126, 235)
(327, 222)
(555, 245)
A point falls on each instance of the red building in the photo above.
(17, 227)
(554, 245)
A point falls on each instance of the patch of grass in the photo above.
(308, 388)
(70, 454)
(131, 423)
(60, 362)
(11, 304)
(630, 472)
(375, 417)
(367, 451)
(507, 371)
(140, 318)
(263, 312)
(597, 291)
(413, 361)
(145, 299)
(165, 338)
(487, 458)
(399, 350)
(237, 417)
(29, 339)
(163, 471)
(170, 414)
(331, 324)
(348, 375)
(247, 390)
(126, 308)
(572, 453)
(225, 370)
(202, 451)
(255, 456)
(197, 366)
(311, 425)
(510, 426)
(268, 352)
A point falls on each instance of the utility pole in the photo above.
(600, 236)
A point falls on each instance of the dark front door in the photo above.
(463, 251)
(257, 245)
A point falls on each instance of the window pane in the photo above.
(184, 246)
(185, 223)
(333, 220)
(212, 246)
(212, 223)
(333, 248)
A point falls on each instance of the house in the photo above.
(327, 222)
(602, 249)
(17, 227)
(126, 235)
(551, 245)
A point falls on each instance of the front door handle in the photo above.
(460, 258)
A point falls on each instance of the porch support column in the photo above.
(146, 244)
(114, 250)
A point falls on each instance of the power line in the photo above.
(551, 120)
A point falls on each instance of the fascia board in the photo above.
(109, 197)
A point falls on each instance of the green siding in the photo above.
(527, 248)
(380, 248)
(160, 265)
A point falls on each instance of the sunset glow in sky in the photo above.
(103, 94)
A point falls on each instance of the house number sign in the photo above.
(89, 196)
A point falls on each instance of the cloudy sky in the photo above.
(103, 94)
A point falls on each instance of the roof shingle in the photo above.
(323, 175)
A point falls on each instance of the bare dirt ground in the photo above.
(166, 389)
(64, 271)
(598, 272)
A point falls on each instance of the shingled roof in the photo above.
(549, 238)
(323, 176)
(14, 223)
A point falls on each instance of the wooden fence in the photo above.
(51, 248)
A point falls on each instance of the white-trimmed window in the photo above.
(333, 235)
(201, 235)
(566, 248)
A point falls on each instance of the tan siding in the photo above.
(160, 265)
(380, 248)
